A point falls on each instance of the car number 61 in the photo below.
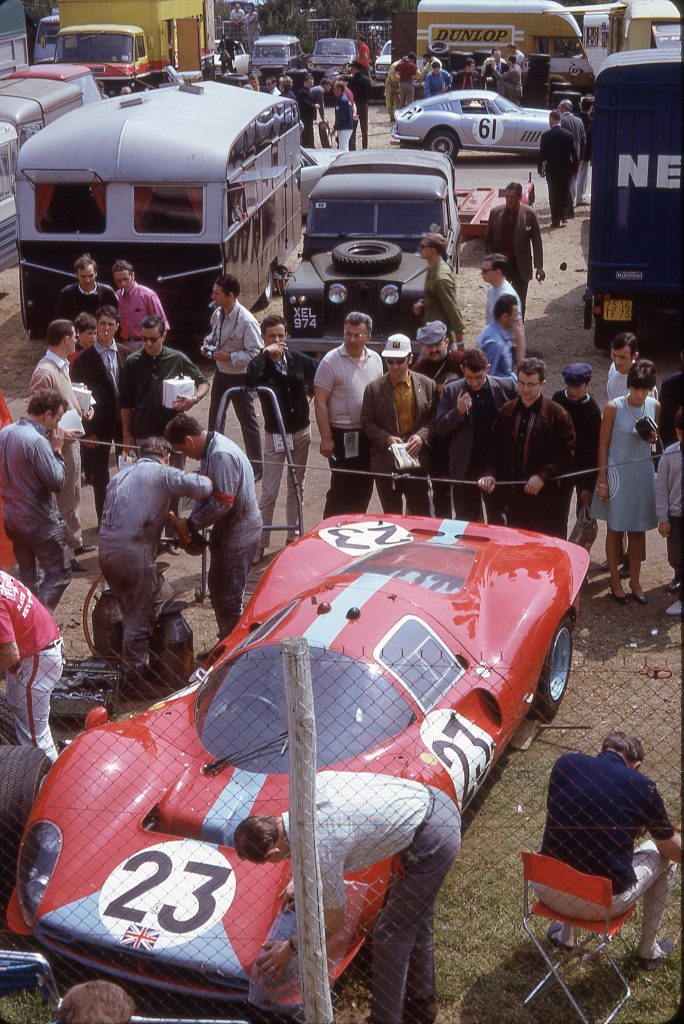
(487, 130)
(174, 890)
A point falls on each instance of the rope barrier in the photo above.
(408, 476)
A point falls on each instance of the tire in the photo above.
(7, 733)
(443, 140)
(367, 254)
(553, 680)
(22, 770)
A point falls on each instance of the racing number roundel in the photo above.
(487, 131)
(465, 750)
(166, 894)
(362, 538)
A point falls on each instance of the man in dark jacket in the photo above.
(586, 419)
(86, 295)
(465, 416)
(360, 85)
(558, 163)
(100, 368)
(533, 441)
(307, 112)
(468, 78)
(513, 230)
(290, 375)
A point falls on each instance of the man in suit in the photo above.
(533, 441)
(509, 84)
(513, 230)
(100, 368)
(465, 415)
(574, 125)
(399, 408)
(86, 295)
(52, 372)
(558, 163)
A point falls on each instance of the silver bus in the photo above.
(180, 181)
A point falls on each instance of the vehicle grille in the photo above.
(362, 297)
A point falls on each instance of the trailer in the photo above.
(635, 259)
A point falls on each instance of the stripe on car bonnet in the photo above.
(450, 530)
(325, 629)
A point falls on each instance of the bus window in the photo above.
(7, 159)
(71, 208)
(168, 209)
(237, 208)
(567, 47)
(543, 44)
(140, 48)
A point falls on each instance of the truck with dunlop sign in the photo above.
(532, 26)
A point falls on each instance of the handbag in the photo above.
(585, 530)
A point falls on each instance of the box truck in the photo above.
(635, 258)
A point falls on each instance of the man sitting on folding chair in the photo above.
(596, 808)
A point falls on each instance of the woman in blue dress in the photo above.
(625, 491)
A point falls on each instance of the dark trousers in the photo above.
(393, 494)
(674, 544)
(560, 200)
(308, 135)
(45, 548)
(542, 513)
(98, 469)
(232, 549)
(520, 286)
(245, 410)
(362, 123)
(468, 501)
(348, 492)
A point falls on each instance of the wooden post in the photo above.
(306, 875)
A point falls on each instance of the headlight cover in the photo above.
(39, 854)
(389, 294)
(337, 293)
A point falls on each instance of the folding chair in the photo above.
(550, 872)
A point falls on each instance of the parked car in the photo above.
(430, 642)
(382, 63)
(332, 56)
(277, 52)
(366, 215)
(469, 119)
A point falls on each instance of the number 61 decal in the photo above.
(465, 750)
(487, 130)
(166, 894)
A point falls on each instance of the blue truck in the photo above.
(635, 260)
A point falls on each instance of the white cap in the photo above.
(397, 346)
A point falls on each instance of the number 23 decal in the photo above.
(465, 750)
(358, 538)
(178, 888)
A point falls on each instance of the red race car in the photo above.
(430, 641)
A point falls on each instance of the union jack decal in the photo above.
(139, 937)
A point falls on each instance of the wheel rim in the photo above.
(560, 658)
(443, 144)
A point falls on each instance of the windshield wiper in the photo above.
(214, 767)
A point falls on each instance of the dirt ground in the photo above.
(613, 643)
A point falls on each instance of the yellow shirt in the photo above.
(405, 401)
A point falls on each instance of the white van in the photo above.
(179, 181)
(594, 23)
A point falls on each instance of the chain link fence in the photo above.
(129, 872)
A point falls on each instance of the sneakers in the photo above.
(674, 609)
(553, 935)
(652, 963)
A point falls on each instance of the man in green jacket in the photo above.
(439, 301)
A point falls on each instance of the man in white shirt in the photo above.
(362, 819)
(52, 371)
(339, 385)
(623, 353)
(495, 267)
(234, 340)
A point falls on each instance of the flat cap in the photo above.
(431, 333)
(577, 373)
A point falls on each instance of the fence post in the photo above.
(301, 727)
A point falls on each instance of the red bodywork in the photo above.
(491, 598)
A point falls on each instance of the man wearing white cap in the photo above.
(396, 417)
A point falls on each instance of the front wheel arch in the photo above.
(443, 140)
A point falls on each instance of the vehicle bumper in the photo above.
(403, 139)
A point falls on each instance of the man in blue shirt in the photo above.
(596, 808)
(496, 340)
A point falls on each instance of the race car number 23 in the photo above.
(465, 750)
(487, 130)
(173, 891)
